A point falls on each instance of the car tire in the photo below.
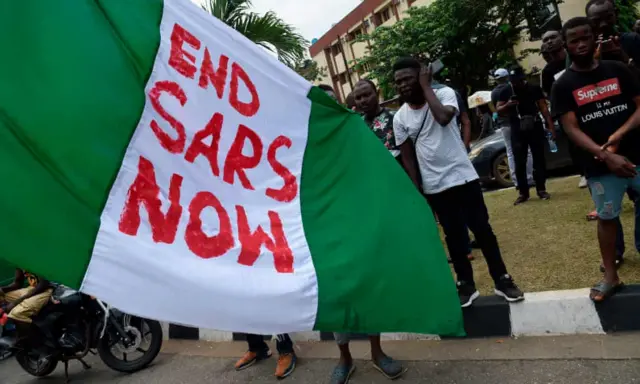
(500, 171)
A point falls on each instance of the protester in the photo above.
(328, 90)
(259, 350)
(379, 119)
(439, 166)
(522, 103)
(501, 77)
(636, 26)
(24, 303)
(613, 45)
(623, 47)
(594, 121)
(554, 45)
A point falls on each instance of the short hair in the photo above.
(574, 23)
(405, 63)
(326, 88)
(597, 2)
(350, 101)
(371, 83)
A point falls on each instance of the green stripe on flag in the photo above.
(71, 96)
(373, 239)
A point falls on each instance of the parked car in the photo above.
(489, 157)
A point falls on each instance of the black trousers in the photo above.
(521, 141)
(284, 344)
(461, 207)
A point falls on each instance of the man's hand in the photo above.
(426, 76)
(614, 140)
(620, 165)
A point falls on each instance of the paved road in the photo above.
(170, 369)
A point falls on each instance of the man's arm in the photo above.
(542, 106)
(466, 129)
(616, 163)
(632, 123)
(409, 161)
(18, 282)
(441, 113)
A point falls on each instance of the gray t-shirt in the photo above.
(441, 154)
(495, 94)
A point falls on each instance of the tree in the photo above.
(268, 30)
(309, 70)
(472, 37)
(627, 14)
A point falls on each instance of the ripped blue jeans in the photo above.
(608, 192)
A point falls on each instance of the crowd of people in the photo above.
(592, 84)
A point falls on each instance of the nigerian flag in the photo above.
(155, 158)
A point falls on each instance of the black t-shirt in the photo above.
(548, 75)
(495, 95)
(527, 102)
(602, 100)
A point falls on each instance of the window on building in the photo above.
(355, 34)
(343, 78)
(543, 18)
(335, 49)
(385, 15)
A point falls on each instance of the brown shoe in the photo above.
(251, 358)
(286, 365)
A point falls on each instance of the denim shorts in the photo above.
(608, 192)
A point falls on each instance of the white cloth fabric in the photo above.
(441, 154)
(506, 135)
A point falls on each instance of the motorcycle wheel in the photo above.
(106, 348)
(36, 367)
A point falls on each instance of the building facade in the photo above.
(338, 48)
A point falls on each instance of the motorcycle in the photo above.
(73, 325)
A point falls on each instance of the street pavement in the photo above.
(547, 360)
(170, 369)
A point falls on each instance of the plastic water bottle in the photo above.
(552, 143)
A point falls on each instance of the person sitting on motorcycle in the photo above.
(22, 303)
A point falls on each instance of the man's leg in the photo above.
(537, 145)
(506, 135)
(343, 371)
(607, 192)
(383, 363)
(520, 150)
(530, 179)
(258, 350)
(477, 217)
(30, 307)
(635, 197)
(448, 207)
(287, 359)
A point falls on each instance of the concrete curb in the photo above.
(568, 312)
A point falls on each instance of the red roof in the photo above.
(362, 11)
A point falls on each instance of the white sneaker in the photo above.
(583, 182)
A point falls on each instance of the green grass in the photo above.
(549, 245)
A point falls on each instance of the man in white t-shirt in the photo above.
(449, 180)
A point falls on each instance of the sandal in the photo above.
(342, 373)
(592, 216)
(604, 290)
(390, 368)
(619, 263)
